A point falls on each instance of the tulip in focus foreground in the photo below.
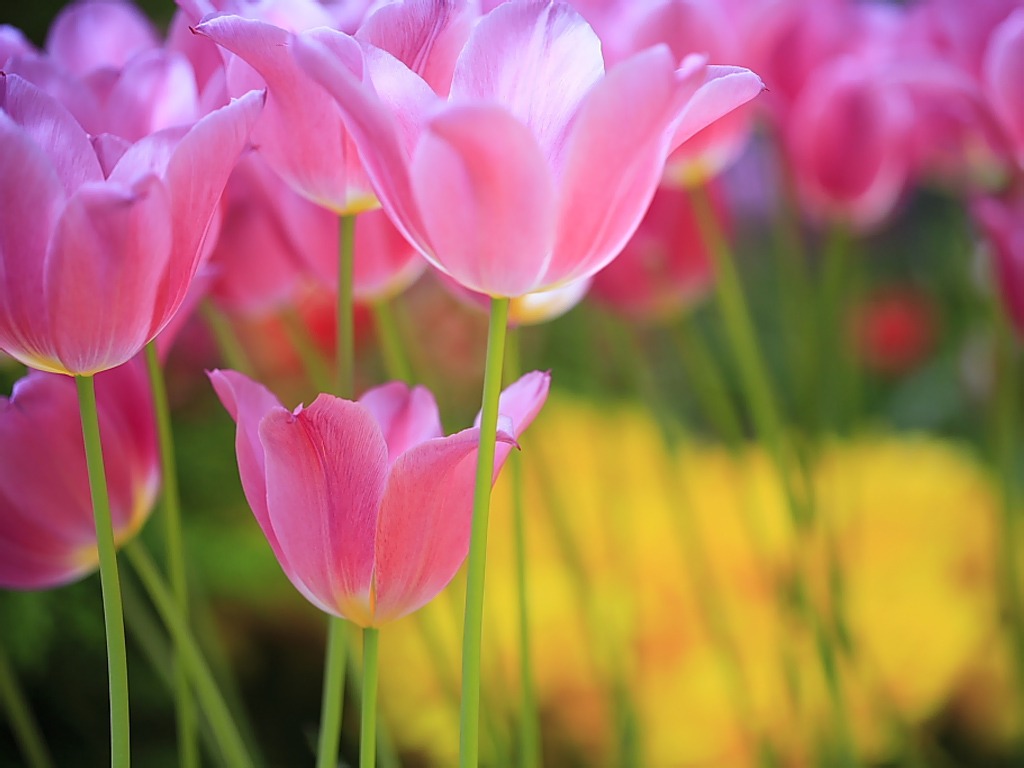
(47, 531)
(365, 504)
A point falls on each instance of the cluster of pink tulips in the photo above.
(528, 154)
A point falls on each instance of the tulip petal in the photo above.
(407, 415)
(383, 119)
(300, 133)
(31, 199)
(425, 35)
(519, 46)
(53, 129)
(487, 199)
(614, 161)
(724, 89)
(385, 262)
(1003, 64)
(91, 36)
(518, 406)
(106, 262)
(326, 470)
(156, 90)
(425, 521)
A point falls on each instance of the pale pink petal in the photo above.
(614, 161)
(79, 99)
(31, 200)
(407, 415)
(300, 132)
(724, 89)
(518, 406)
(93, 35)
(487, 198)
(425, 35)
(107, 259)
(383, 118)
(537, 59)
(326, 471)
(53, 129)
(424, 526)
(13, 43)
(109, 150)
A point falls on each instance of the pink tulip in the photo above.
(47, 533)
(99, 34)
(365, 504)
(1002, 222)
(100, 239)
(1003, 68)
(665, 267)
(538, 167)
(301, 132)
(528, 309)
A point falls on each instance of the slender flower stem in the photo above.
(19, 715)
(231, 350)
(529, 727)
(396, 362)
(333, 699)
(210, 699)
(368, 725)
(317, 370)
(469, 746)
(113, 618)
(188, 744)
(346, 345)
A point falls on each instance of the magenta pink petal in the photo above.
(109, 150)
(518, 406)
(487, 198)
(425, 520)
(425, 35)
(196, 174)
(93, 35)
(614, 161)
(539, 60)
(31, 200)
(326, 471)
(385, 262)
(107, 258)
(53, 129)
(1004, 63)
(383, 123)
(407, 415)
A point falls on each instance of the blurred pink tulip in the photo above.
(1002, 222)
(1003, 70)
(100, 239)
(665, 268)
(301, 133)
(47, 532)
(99, 34)
(538, 167)
(365, 504)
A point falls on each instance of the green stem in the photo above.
(317, 370)
(469, 746)
(396, 362)
(217, 713)
(231, 350)
(834, 361)
(368, 724)
(23, 724)
(333, 699)
(529, 721)
(346, 344)
(113, 618)
(188, 744)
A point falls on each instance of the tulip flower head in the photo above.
(365, 504)
(47, 530)
(538, 166)
(99, 239)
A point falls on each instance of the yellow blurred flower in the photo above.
(661, 590)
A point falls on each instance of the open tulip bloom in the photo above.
(365, 504)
